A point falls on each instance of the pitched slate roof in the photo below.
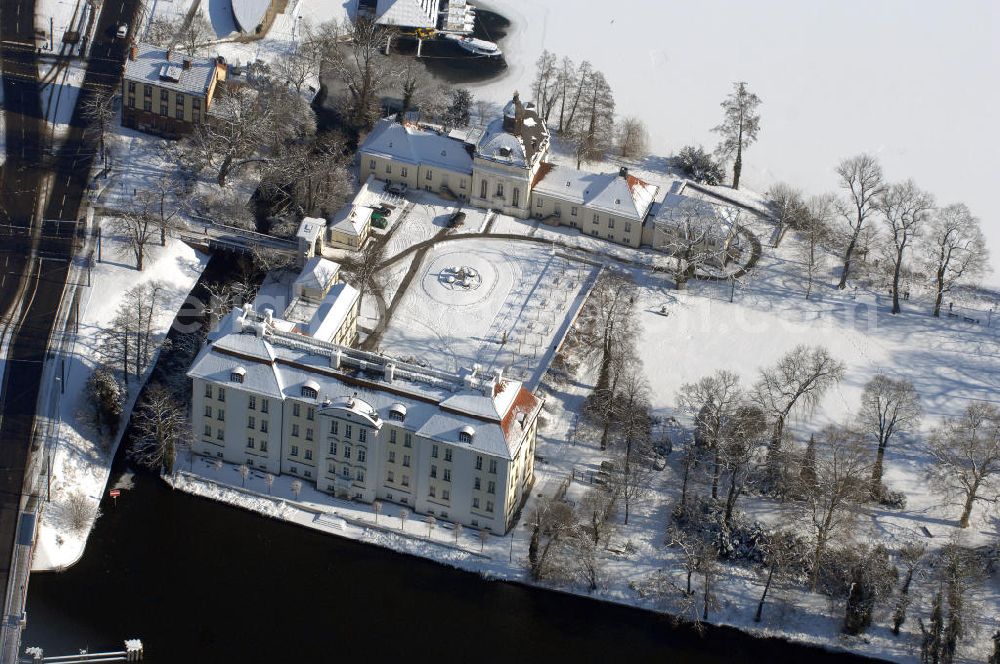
(151, 65)
(618, 193)
(406, 13)
(411, 144)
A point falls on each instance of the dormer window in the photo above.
(465, 434)
(237, 374)
(397, 412)
(310, 389)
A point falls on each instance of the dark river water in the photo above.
(199, 581)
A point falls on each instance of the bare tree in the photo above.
(630, 479)
(966, 451)
(404, 514)
(691, 232)
(573, 81)
(951, 611)
(814, 231)
(861, 176)
(244, 473)
(551, 521)
(596, 510)
(269, 481)
(80, 511)
(888, 406)
(377, 508)
(483, 536)
(296, 488)
(740, 124)
(138, 227)
(711, 403)
(99, 111)
(195, 34)
(353, 54)
(632, 138)
(309, 179)
(161, 32)
(910, 556)
(364, 267)
(830, 503)
(744, 435)
(607, 323)
(300, 65)
(585, 560)
(778, 555)
(431, 522)
(545, 88)
(458, 532)
(159, 423)
(872, 576)
(789, 206)
(905, 209)
(596, 123)
(797, 382)
(956, 249)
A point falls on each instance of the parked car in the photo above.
(122, 31)
(398, 188)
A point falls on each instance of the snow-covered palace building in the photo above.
(362, 426)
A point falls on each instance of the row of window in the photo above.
(362, 454)
(147, 106)
(147, 91)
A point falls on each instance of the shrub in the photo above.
(699, 165)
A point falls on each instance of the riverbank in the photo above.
(493, 558)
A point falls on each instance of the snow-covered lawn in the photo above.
(81, 460)
(516, 307)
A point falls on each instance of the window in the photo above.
(538, 202)
(332, 469)
(572, 211)
(516, 198)
(296, 409)
(221, 415)
(491, 487)
(362, 456)
(163, 110)
(179, 99)
(397, 413)
(475, 503)
(293, 470)
(309, 454)
(263, 405)
(499, 193)
(195, 102)
(402, 171)
(461, 183)
(406, 461)
(263, 444)
(388, 169)
(432, 492)
(164, 95)
(597, 218)
(208, 391)
(347, 431)
(493, 466)
(147, 91)
(434, 451)
(131, 102)
(392, 457)
(220, 434)
(476, 485)
(479, 462)
(389, 477)
(430, 174)
(222, 394)
(408, 440)
(347, 451)
(250, 443)
(360, 475)
(447, 474)
(131, 86)
(196, 116)
(447, 454)
(363, 435)
(208, 430)
(333, 449)
(445, 494)
(295, 450)
(489, 505)
(308, 473)
(309, 392)
(310, 413)
(628, 227)
(179, 114)
(334, 427)
(611, 222)
(252, 402)
(208, 411)
(405, 480)
(434, 471)
(309, 433)
(147, 105)
(482, 189)
(464, 437)
(251, 424)
(557, 210)
(392, 436)
(295, 430)
(263, 426)
(371, 164)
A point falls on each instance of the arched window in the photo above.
(397, 411)
(465, 434)
(237, 374)
(310, 389)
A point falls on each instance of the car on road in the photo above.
(122, 31)
(398, 188)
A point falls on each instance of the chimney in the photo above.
(169, 53)
(187, 63)
(133, 52)
(623, 172)
(390, 372)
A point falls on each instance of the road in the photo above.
(38, 247)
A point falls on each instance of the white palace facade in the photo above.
(361, 426)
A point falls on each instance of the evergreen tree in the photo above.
(460, 111)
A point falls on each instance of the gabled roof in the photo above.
(317, 274)
(412, 144)
(407, 13)
(333, 310)
(618, 193)
(151, 65)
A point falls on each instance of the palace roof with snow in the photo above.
(618, 193)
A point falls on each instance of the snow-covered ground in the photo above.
(930, 117)
(81, 459)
